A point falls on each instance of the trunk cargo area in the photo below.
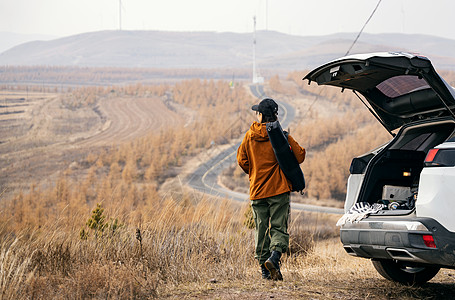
(392, 176)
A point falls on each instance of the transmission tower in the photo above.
(256, 78)
(120, 14)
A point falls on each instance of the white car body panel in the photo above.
(365, 56)
(436, 195)
(446, 145)
(353, 188)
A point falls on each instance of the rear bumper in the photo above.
(400, 239)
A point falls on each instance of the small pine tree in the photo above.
(97, 220)
(97, 223)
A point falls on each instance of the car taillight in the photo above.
(431, 154)
(440, 158)
(428, 241)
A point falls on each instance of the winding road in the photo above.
(205, 177)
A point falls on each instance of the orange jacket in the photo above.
(256, 157)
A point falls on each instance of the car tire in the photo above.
(400, 272)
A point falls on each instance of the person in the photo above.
(269, 189)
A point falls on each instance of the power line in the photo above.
(349, 50)
(361, 30)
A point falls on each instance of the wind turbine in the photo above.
(120, 6)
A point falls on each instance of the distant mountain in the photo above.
(160, 49)
(9, 39)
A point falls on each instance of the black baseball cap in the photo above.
(267, 107)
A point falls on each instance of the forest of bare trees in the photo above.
(125, 178)
(131, 173)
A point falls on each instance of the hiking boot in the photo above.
(265, 272)
(273, 265)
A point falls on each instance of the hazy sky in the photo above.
(300, 17)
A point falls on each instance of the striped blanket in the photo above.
(359, 211)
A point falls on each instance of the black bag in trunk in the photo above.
(285, 157)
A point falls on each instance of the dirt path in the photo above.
(51, 136)
(130, 118)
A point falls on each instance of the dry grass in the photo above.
(183, 244)
(191, 250)
(325, 273)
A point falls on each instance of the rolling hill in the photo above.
(178, 50)
(10, 39)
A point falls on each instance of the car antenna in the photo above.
(374, 114)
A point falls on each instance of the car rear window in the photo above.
(401, 85)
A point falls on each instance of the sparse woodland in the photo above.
(125, 179)
(105, 229)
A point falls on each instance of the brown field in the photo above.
(40, 135)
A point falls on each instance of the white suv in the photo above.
(400, 202)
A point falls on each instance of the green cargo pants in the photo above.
(271, 217)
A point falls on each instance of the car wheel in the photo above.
(401, 272)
